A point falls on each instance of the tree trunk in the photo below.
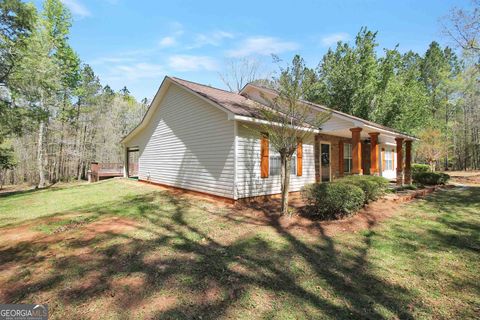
(446, 137)
(40, 162)
(285, 181)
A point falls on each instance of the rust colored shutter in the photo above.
(299, 158)
(341, 159)
(383, 159)
(264, 155)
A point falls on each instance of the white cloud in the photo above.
(184, 63)
(77, 8)
(133, 72)
(110, 60)
(214, 39)
(333, 38)
(262, 46)
(176, 28)
(169, 41)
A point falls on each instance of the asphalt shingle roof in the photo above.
(233, 102)
(243, 106)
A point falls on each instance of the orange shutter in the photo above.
(341, 159)
(383, 159)
(299, 158)
(264, 154)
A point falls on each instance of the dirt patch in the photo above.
(26, 232)
(114, 226)
(465, 177)
(155, 305)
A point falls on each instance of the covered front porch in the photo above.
(363, 150)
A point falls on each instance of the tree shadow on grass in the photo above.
(459, 229)
(185, 259)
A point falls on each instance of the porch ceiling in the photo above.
(385, 138)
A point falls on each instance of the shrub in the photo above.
(373, 187)
(406, 187)
(430, 178)
(417, 168)
(333, 200)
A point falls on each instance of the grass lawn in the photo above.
(125, 250)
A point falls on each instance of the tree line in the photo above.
(55, 116)
(433, 95)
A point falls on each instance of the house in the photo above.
(204, 139)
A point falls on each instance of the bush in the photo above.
(430, 178)
(333, 200)
(406, 187)
(373, 187)
(417, 168)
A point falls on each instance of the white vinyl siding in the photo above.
(188, 144)
(249, 183)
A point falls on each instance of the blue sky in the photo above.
(137, 43)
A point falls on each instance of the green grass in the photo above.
(168, 256)
(32, 204)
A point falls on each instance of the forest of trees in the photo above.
(434, 95)
(56, 117)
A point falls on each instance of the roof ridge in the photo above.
(206, 86)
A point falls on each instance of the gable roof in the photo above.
(233, 102)
(239, 104)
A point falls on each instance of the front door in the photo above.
(325, 161)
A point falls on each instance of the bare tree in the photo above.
(239, 72)
(463, 27)
(289, 120)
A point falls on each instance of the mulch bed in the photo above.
(266, 213)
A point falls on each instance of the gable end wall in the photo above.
(187, 144)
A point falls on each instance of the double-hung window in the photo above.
(347, 157)
(275, 164)
(388, 160)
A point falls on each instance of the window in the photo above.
(347, 157)
(388, 160)
(275, 163)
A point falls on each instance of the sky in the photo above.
(135, 43)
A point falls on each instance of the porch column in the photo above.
(374, 153)
(316, 151)
(125, 163)
(356, 151)
(340, 158)
(399, 161)
(408, 162)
